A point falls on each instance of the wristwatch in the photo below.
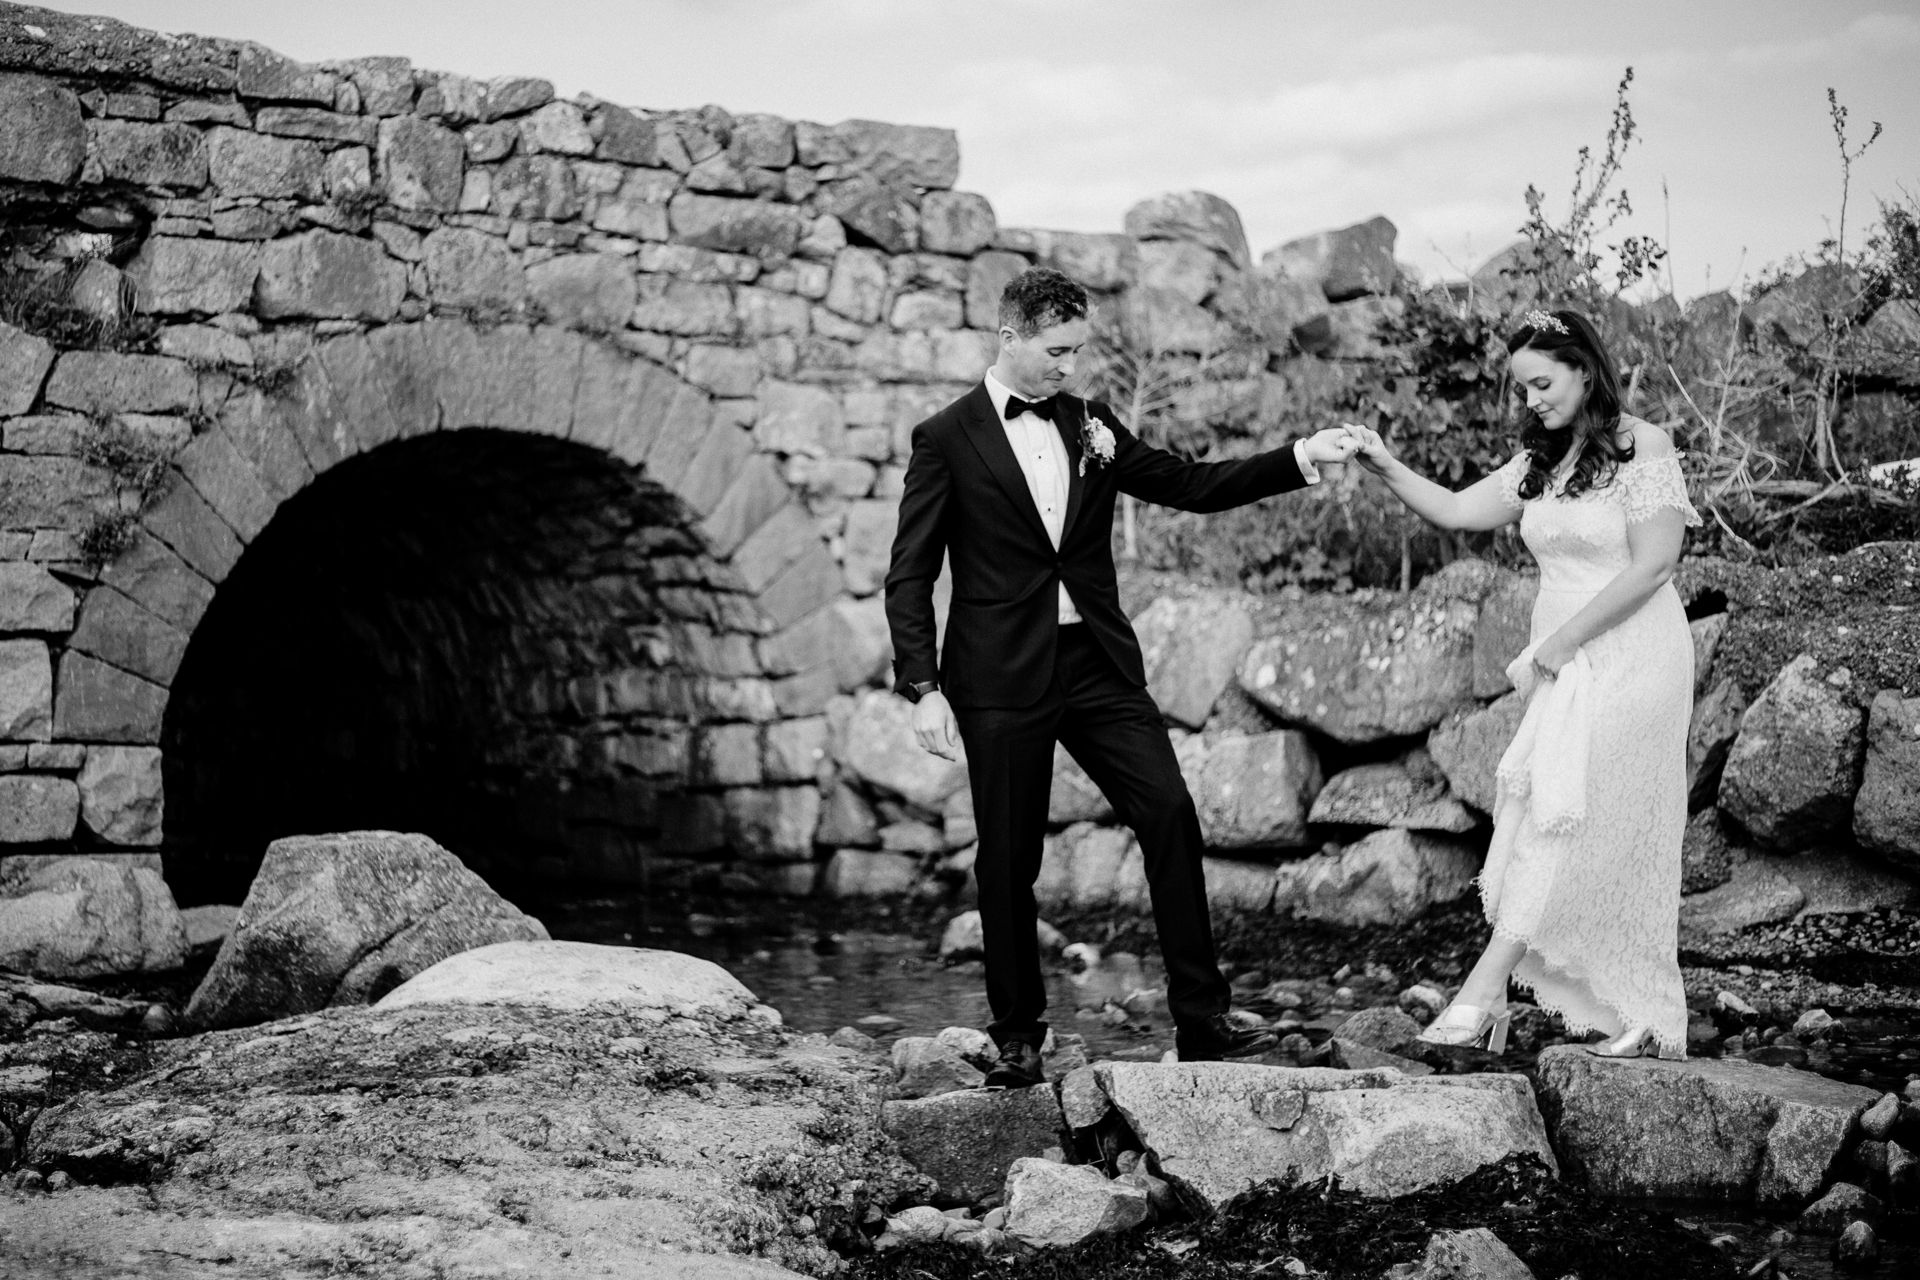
(920, 689)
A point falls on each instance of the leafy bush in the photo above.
(1777, 433)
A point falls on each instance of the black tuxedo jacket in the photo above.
(966, 497)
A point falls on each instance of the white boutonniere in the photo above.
(1096, 442)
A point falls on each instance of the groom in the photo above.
(1015, 483)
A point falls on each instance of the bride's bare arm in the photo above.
(1479, 506)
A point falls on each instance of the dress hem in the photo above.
(1574, 1024)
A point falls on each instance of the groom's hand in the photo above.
(1370, 449)
(1331, 447)
(935, 727)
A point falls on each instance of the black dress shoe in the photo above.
(1220, 1037)
(1018, 1067)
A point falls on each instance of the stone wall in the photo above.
(378, 445)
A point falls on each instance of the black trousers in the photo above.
(1114, 730)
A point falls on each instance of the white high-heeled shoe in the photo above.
(1634, 1042)
(1465, 1026)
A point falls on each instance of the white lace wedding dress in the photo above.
(1598, 906)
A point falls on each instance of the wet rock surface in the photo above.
(344, 919)
(1322, 1233)
(1698, 1130)
(69, 918)
(1216, 1129)
(967, 1140)
(556, 1142)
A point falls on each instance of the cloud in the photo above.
(1876, 35)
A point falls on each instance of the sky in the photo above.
(1304, 116)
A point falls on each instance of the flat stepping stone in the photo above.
(578, 975)
(1705, 1129)
(1218, 1128)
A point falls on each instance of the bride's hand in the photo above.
(1552, 655)
(1371, 450)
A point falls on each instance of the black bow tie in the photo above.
(1038, 408)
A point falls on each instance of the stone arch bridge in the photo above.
(380, 446)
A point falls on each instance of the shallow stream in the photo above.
(874, 968)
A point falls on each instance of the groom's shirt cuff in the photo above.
(1308, 471)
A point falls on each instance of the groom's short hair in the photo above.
(1039, 298)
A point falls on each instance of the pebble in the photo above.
(877, 1022)
(1728, 1002)
(1422, 996)
(1812, 1024)
(1903, 1176)
(1878, 1120)
(922, 1224)
(1858, 1244)
(59, 1180)
(971, 1043)
(1843, 1203)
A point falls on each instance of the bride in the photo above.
(1582, 882)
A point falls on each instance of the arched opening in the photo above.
(480, 635)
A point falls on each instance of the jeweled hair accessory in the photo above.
(1545, 320)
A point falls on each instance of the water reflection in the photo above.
(822, 979)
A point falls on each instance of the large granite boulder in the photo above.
(1054, 1205)
(1390, 877)
(545, 974)
(1471, 1254)
(1192, 646)
(1218, 1128)
(1792, 772)
(345, 919)
(1886, 812)
(878, 744)
(1468, 745)
(1238, 886)
(869, 873)
(1091, 866)
(1075, 797)
(1410, 793)
(1707, 856)
(1702, 1129)
(1253, 791)
(121, 794)
(1503, 629)
(967, 1140)
(82, 917)
(1707, 634)
(1194, 217)
(1363, 667)
(1837, 880)
(1348, 263)
(924, 1066)
(964, 938)
(1753, 893)
(1710, 735)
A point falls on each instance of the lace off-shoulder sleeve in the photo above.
(1650, 485)
(1510, 476)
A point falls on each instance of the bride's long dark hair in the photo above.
(1594, 429)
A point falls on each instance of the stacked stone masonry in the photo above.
(710, 333)
(529, 475)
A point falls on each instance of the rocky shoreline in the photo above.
(455, 1138)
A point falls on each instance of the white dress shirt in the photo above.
(1043, 459)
